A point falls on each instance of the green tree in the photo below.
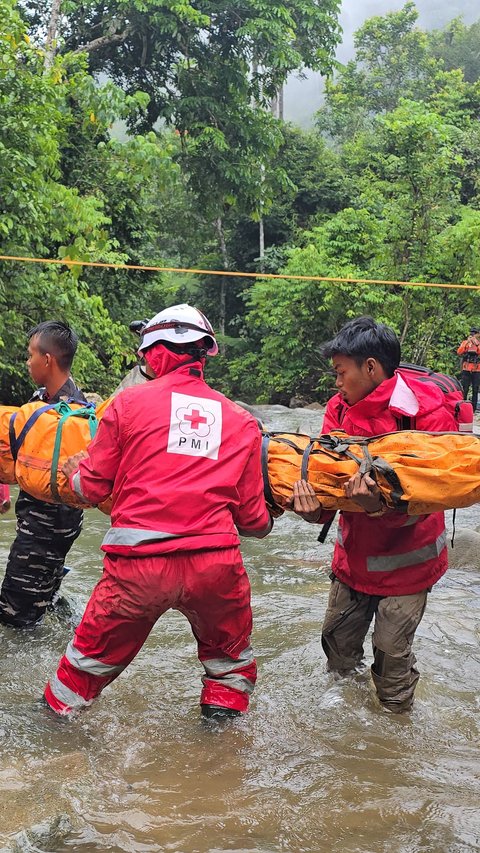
(147, 45)
(392, 61)
(457, 48)
(41, 215)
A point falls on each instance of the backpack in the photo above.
(41, 437)
(461, 410)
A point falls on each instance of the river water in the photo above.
(315, 766)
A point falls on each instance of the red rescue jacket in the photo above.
(182, 463)
(393, 554)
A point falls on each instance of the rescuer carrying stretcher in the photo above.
(385, 562)
(182, 463)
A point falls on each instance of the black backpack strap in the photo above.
(266, 480)
(325, 529)
(405, 422)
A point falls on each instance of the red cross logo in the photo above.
(195, 419)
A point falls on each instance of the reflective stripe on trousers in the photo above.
(224, 671)
(67, 698)
(211, 588)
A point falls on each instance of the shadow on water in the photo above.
(315, 766)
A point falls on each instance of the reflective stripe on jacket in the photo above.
(182, 463)
(393, 554)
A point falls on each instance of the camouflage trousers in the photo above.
(397, 617)
(35, 566)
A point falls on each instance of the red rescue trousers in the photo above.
(211, 588)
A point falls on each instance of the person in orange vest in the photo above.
(469, 349)
(182, 463)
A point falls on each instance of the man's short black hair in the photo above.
(363, 338)
(58, 339)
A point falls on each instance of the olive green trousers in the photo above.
(396, 618)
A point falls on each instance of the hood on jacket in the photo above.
(381, 410)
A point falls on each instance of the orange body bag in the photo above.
(417, 472)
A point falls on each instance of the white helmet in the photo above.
(180, 324)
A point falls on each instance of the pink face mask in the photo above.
(162, 360)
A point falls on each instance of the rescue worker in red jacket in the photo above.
(384, 562)
(469, 349)
(182, 463)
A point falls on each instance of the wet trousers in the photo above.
(211, 588)
(471, 377)
(347, 620)
(34, 571)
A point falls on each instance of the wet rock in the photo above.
(133, 377)
(298, 403)
(93, 397)
(275, 407)
(42, 836)
(466, 549)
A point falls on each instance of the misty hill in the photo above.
(304, 97)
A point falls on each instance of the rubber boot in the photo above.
(218, 712)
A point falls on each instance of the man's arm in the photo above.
(252, 517)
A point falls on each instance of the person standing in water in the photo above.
(384, 562)
(469, 349)
(45, 531)
(182, 463)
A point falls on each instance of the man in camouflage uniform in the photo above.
(45, 532)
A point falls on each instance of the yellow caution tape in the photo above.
(319, 278)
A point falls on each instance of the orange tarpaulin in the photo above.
(417, 472)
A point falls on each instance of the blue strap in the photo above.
(16, 443)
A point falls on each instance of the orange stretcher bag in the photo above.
(417, 472)
(7, 463)
(42, 436)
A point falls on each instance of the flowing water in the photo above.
(316, 765)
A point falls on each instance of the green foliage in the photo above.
(392, 62)
(41, 216)
(386, 186)
(457, 47)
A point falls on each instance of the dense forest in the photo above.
(209, 175)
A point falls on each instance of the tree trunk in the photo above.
(261, 223)
(51, 39)
(103, 41)
(223, 281)
(280, 103)
(261, 242)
